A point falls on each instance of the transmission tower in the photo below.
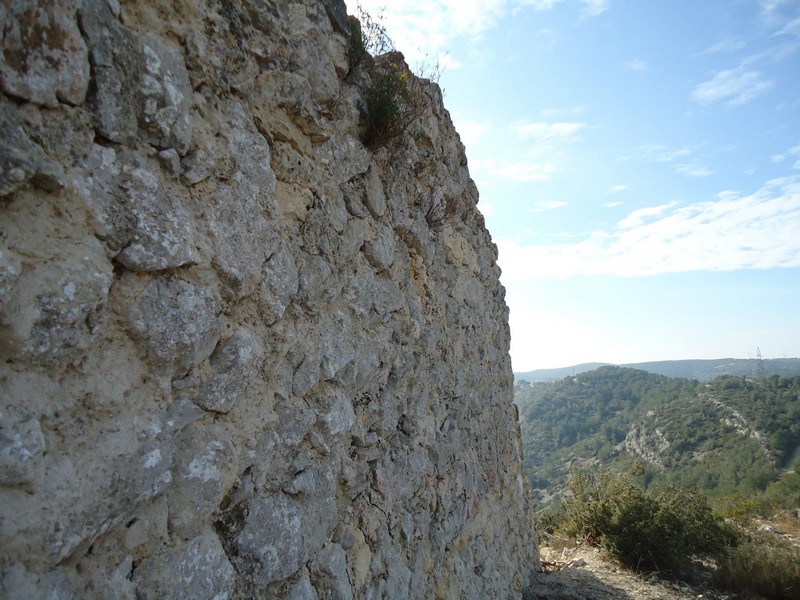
(760, 372)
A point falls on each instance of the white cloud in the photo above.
(543, 205)
(617, 189)
(636, 64)
(521, 172)
(592, 8)
(731, 232)
(725, 45)
(421, 29)
(642, 215)
(424, 29)
(486, 208)
(661, 153)
(543, 131)
(613, 204)
(693, 170)
(793, 151)
(791, 28)
(735, 86)
(471, 132)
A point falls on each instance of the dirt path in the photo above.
(588, 574)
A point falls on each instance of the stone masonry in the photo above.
(239, 360)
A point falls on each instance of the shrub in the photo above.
(395, 97)
(646, 531)
(762, 566)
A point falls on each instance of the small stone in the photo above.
(271, 544)
(21, 445)
(44, 58)
(176, 322)
(197, 569)
(233, 363)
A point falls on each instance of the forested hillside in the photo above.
(702, 370)
(731, 435)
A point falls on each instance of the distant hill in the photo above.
(701, 370)
(734, 434)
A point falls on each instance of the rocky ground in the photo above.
(586, 573)
(581, 572)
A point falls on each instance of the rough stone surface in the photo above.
(44, 57)
(197, 569)
(237, 360)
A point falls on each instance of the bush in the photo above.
(762, 566)
(395, 97)
(645, 531)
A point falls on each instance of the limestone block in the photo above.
(21, 446)
(334, 411)
(182, 413)
(345, 157)
(44, 58)
(293, 93)
(163, 235)
(309, 32)
(337, 13)
(380, 251)
(17, 583)
(307, 374)
(204, 469)
(21, 159)
(331, 571)
(52, 312)
(241, 235)
(271, 546)
(167, 96)
(315, 290)
(176, 322)
(317, 503)
(460, 250)
(302, 590)
(337, 347)
(109, 215)
(233, 363)
(375, 199)
(251, 153)
(117, 67)
(197, 569)
(398, 581)
(294, 201)
(280, 282)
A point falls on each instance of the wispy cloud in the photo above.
(642, 215)
(421, 29)
(543, 205)
(617, 189)
(591, 8)
(734, 86)
(425, 29)
(613, 204)
(661, 153)
(789, 154)
(636, 64)
(521, 171)
(730, 232)
(693, 170)
(791, 28)
(544, 131)
(539, 154)
(471, 131)
(729, 44)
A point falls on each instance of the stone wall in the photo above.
(237, 359)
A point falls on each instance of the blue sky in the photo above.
(639, 168)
